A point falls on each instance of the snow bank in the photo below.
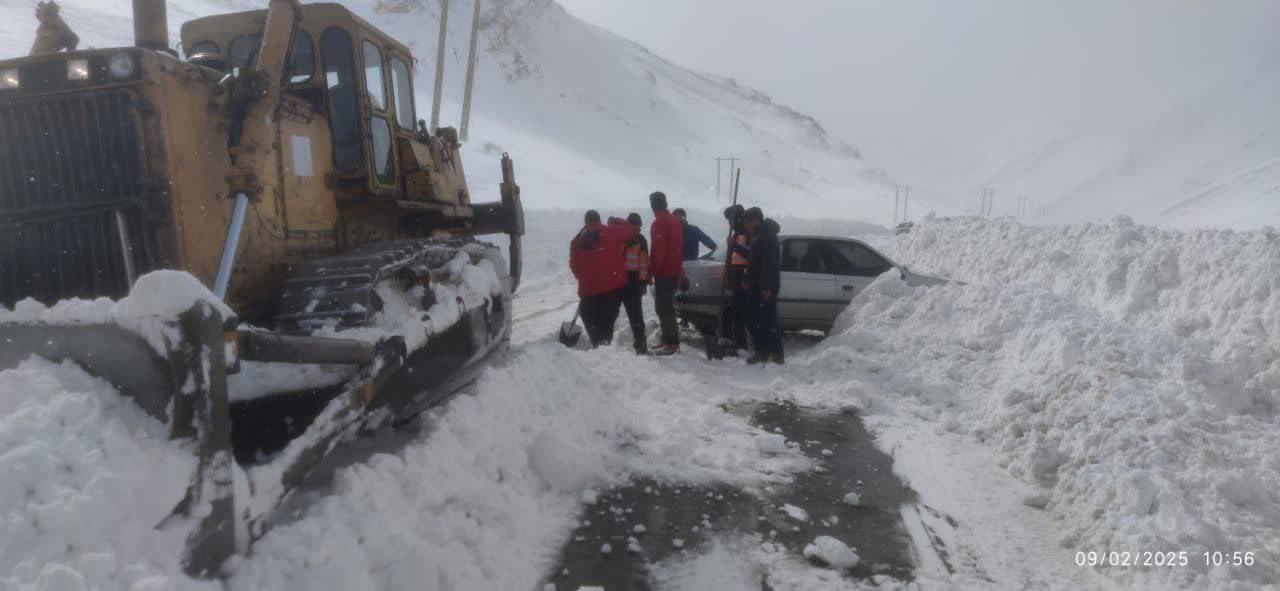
(1218, 289)
(1130, 372)
(87, 476)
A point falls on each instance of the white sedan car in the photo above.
(820, 276)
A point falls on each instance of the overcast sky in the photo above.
(917, 83)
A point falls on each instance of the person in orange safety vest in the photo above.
(736, 317)
(637, 264)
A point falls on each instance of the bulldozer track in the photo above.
(341, 290)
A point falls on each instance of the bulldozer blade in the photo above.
(341, 419)
(184, 386)
(111, 352)
(216, 537)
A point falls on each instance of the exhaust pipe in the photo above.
(151, 25)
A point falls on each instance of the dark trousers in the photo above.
(764, 326)
(632, 300)
(738, 315)
(599, 313)
(664, 303)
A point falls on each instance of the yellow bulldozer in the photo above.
(280, 161)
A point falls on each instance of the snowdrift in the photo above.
(1218, 291)
(88, 476)
(1129, 371)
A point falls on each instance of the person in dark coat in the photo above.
(763, 281)
(693, 236)
(596, 259)
(666, 263)
(637, 263)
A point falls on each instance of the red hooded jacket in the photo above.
(597, 256)
(666, 246)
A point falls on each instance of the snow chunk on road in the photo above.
(771, 443)
(831, 552)
(795, 512)
(564, 468)
(852, 499)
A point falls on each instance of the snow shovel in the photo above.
(570, 332)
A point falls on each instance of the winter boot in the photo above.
(757, 358)
(666, 350)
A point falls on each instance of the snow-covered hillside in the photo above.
(1210, 159)
(592, 116)
(588, 116)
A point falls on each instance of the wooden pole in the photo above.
(471, 71)
(439, 90)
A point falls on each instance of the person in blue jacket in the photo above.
(693, 236)
(763, 280)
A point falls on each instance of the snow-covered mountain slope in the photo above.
(596, 118)
(591, 119)
(1210, 159)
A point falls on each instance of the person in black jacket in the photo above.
(763, 282)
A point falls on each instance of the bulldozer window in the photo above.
(402, 87)
(302, 59)
(243, 50)
(202, 47)
(374, 82)
(338, 56)
(382, 165)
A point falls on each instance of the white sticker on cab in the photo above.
(301, 148)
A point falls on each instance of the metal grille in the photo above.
(61, 152)
(70, 173)
(78, 255)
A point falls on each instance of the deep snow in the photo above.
(1130, 372)
(995, 398)
(1123, 378)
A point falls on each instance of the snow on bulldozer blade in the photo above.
(174, 350)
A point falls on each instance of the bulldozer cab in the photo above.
(361, 80)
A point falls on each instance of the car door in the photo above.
(854, 266)
(808, 286)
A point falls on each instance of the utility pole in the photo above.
(439, 90)
(897, 197)
(717, 180)
(471, 72)
(987, 203)
(732, 161)
(906, 201)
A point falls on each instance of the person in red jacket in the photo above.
(597, 261)
(666, 266)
